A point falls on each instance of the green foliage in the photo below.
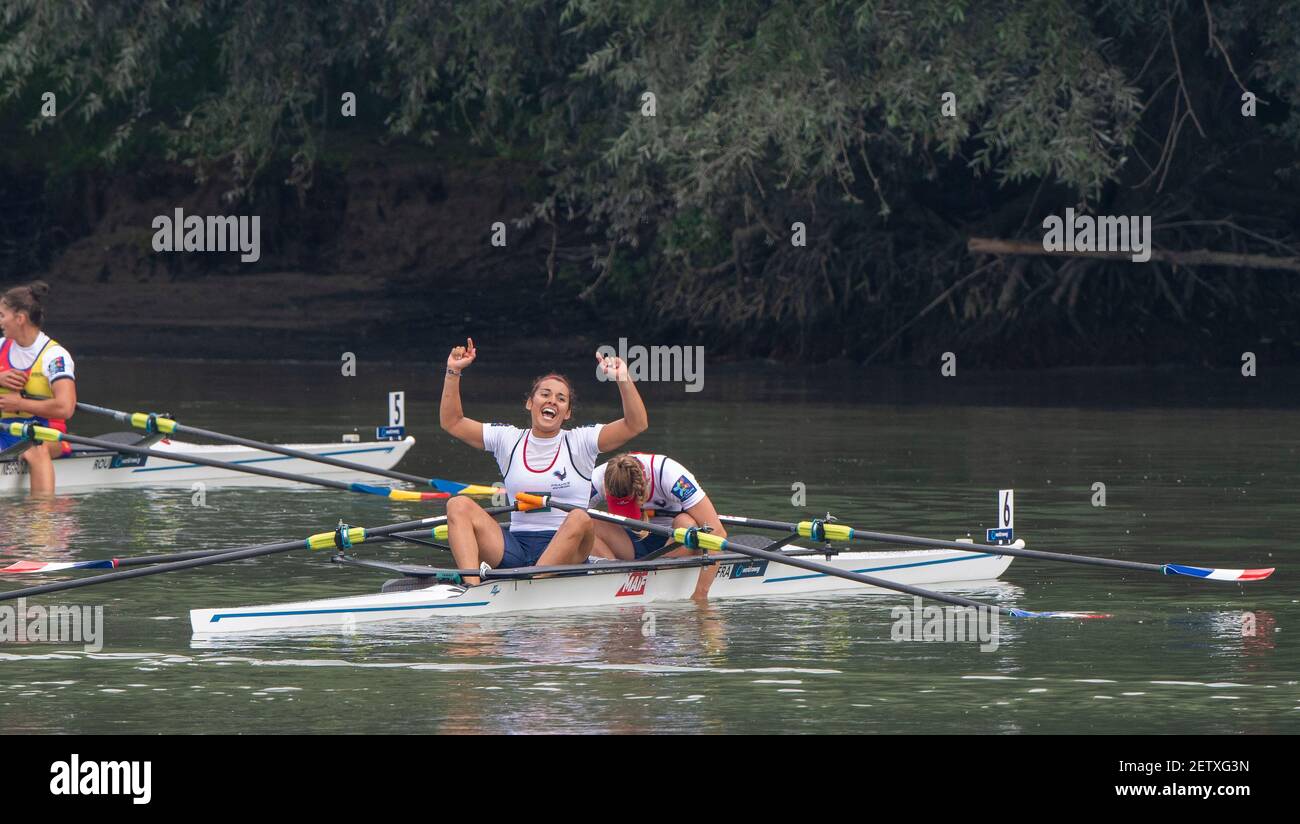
(768, 112)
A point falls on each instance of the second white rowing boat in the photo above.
(91, 468)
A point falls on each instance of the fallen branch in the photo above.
(1191, 257)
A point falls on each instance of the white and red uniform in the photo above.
(673, 488)
(560, 466)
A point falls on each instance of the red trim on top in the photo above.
(558, 447)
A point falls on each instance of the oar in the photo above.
(151, 423)
(695, 539)
(44, 433)
(439, 533)
(822, 531)
(35, 567)
(342, 538)
(602, 568)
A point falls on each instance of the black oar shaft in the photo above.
(184, 429)
(604, 567)
(140, 572)
(215, 464)
(236, 554)
(934, 543)
(141, 560)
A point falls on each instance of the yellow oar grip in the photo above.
(140, 420)
(838, 532)
(440, 533)
(325, 540)
(704, 540)
(39, 433)
(831, 532)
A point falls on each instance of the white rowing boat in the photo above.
(98, 468)
(654, 581)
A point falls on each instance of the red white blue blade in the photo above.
(24, 567)
(1219, 574)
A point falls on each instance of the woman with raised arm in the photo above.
(543, 459)
(37, 380)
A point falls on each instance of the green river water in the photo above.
(1199, 468)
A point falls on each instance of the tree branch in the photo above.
(1190, 257)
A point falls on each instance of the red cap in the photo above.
(628, 507)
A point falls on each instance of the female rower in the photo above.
(657, 488)
(543, 459)
(37, 379)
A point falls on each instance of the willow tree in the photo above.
(693, 142)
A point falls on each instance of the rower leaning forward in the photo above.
(655, 488)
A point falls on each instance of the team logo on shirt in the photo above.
(683, 489)
(561, 473)
(57, 366)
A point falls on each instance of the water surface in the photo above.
(1198, 468)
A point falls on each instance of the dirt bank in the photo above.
(390, 257)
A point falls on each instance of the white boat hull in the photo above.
(98, 469)
(439, 602)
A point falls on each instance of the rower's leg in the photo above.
(611, 541)
(473, 534)
(573, 541)
(702, 513)
(40, 470)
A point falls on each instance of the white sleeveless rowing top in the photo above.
(673, 488)
(560, 467)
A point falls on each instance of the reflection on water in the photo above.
(1198, 482)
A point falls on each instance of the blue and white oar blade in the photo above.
(28, 567)
(1024, 613)
(1219, 574)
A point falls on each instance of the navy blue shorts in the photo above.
(523, 548)
(642, 547)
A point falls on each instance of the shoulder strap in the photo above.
(513, 450)
(572, 462)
